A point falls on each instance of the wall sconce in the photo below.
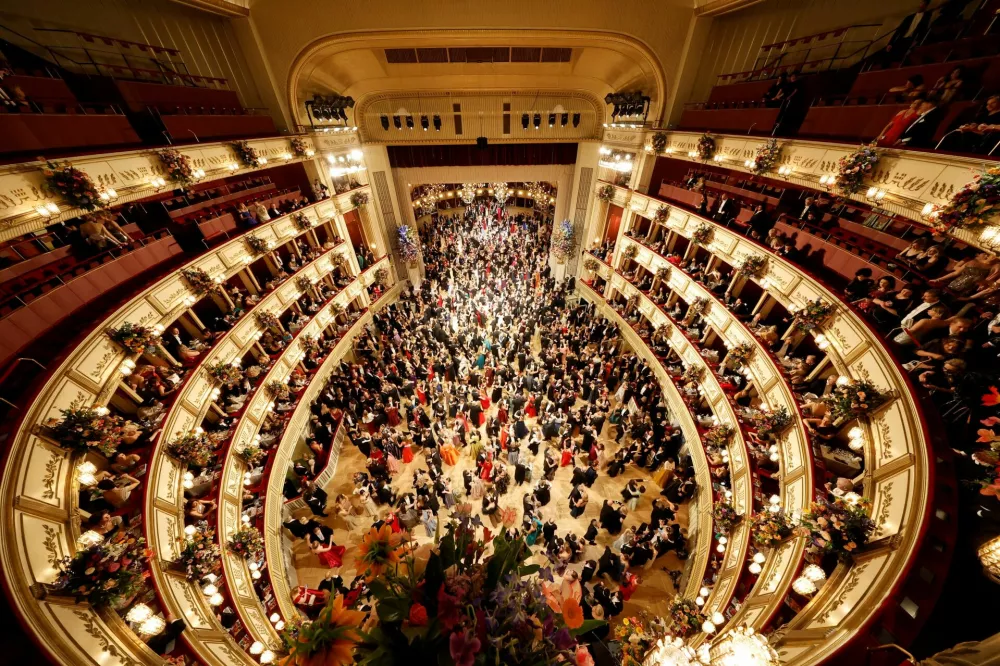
(127, 366)
(108, 195)
(719, 158)
(668, 151)
(875, 194)
(188, 483)
(822, 341)
(85, 472)
(190, 300)
(990, 237)
(198, 173)
(138, 613)
(692, 153)
(152, 626)
(773, 451)
(234, 166)
(750, 164)
(828, 180)
(47, 210)
(215, 600)
(261, 161)
(721, 548)
(755, 565)
(256, 648)
(310, 152)
(286, 156)
(702, 596)
(157, 182)
(267, 657)
(89, 539)
(785, 171)
(856, 438)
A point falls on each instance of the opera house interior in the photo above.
(591, 333)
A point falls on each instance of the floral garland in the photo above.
(661, 213)
(246, 153)
(766, 157)
(839, 527)
(812, 315)
(267, 319)
(854, 399)
(563, 240)
(754, 266)
(975, 205)
(89, 430)
(606, 193)
(706, 147)
(769, 422)
(108, 573)
(256, 245)
(725, 517)
(299, 146)
(302, 221)
(409, 244)
(591, 264)
(359, 199)
(659, 142)
(194, 448)
(740, 354)
(718, 435)
(247, 543)
(200, 554)
(702, 235)
(225, 373)
(277, 390)
(71, 184)
(855, 168)
(382, 277)
(336, 308)
(769, 528)
(178, 166)
(252, 455)
(686, 618)
(199, 281)
(697, 307)
(136, 339)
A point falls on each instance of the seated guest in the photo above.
(920, 133)
(948, 87)
(981, 134)
(913, 87)
(860, 286)
(898, 124)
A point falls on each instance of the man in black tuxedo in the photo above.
(760, 223)
(920, 133)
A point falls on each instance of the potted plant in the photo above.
(766, 157)
(769, 423)
(686, 617)
(302, 221)
(256, 245)
(718, 436)
(86, 429)
(225, 373)
(853, 399)
(409, 244)
(277, 390)
(702, 235)
(770, 528)
(199, 281)
(975, 205)
(382, 277)
(606, 193)
(706, 147)
(252, 455)
(299, 147)
(178, 167)
(739, 355)
(659, 142)
(246, 154)
(724, 517)
(855, 168)
(267, 319)
(563, 241)
(359, 199)
(812, 316)
(753, 266)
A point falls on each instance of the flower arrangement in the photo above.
(769, 528)
(854, 399)
(136, 339)
(199, 281)
(267, 319)
(706, 147)
(277, 389)
(107, 574)
(839, 527)
(702, 235)
(71, 184)
(448, 603)
(303, 283)
(382, 277)
(632, 302)
(659, 142)
(718, 435)
(663, 273)
(631, 251)
(246, 153)
(661, 213)
(633, 637)
(89, 430)
(178, 166)
(853, 169)
(563, 240)
(225, 373)
(768, 422)
(975, 205)
(302, 221)
(740, 354)
(591, 264)
(754, 266)
(812, 315)
(685, 617)
(298, 146)
(697, 307)
(309, 344)
(200, 554)
(693, 372)
(252, 455)
(724, 517)
(409, 244)
(247, 543)
(359, 199)
(194, 448)
(606, 192)
(766, 157)
(256, 245)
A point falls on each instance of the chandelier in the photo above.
(468, 192)
(427, 198)
(741, 646)
(501, 192)
(541, 194)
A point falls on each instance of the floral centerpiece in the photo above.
(659, 142)
(382, 277)
(740, 354)
(724, 517)
(409, 244)
(89, 430)
(693, 372)
(199, 281)
(178, 167)
(359, 199)
(591, 264)
(632, 638)
(706, 147)
(975, 205)
(697, 307)
(72, 185)
(136, 339)
(194, 448)
(299, 146)
(252, 455)
(277, 389)
(661, 213)
(632, 302)
(200, 554)
(769, 528)
(606, 193)
(108, 574)
(766, 157)
(754, 266)
(304, 283)
(267, 319)
(812, 315)
(854, 399)
(702, 235)
(302, 221)
(246, 153)
(225, 373)
(855, 168)
(686, 617)
(256, 245)
(247, 543)
(448, 603)
(768, 422)
(563, 240)
(718, 435)
(839, 527)
(309, 344)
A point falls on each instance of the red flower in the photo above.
(992, 398)
(418, 615)
(449, 611)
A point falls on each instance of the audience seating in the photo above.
(184, 128)
(37, 132)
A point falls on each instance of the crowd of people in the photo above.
(485, 390)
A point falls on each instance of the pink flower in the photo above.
(583, 657)
(463, 649)
(448, 609)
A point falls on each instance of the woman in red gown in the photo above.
(486, 469)
(392, 411)
(484, 399)
(529, 409)
(331, 556)
(421, 393)
(407, 453)
(567, 454)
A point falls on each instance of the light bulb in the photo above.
(856, 432)
(274, 617)
(255, 575)
(211, 578)
(256, 648)
(267, 657)
(700, 601)
(759, 558)
(723, 540)
(152, 626)
(704, 592)
(253, 566)
(804, 586)
(754, 568)
(721, 548)
(708, 627)
(190, 530)
(279, 625)
(814, 573)
(138, 613)
(216, 599)
(718, 618)
(89, 539)
(775, 499)
(210, 589)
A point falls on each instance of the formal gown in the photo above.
(332, 558)
(449, 454)
(407, 453)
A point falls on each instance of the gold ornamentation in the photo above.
(883, 510)
(107, 645)
(49, 480)
(853, 579)
(51, 544)
(103, 363)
